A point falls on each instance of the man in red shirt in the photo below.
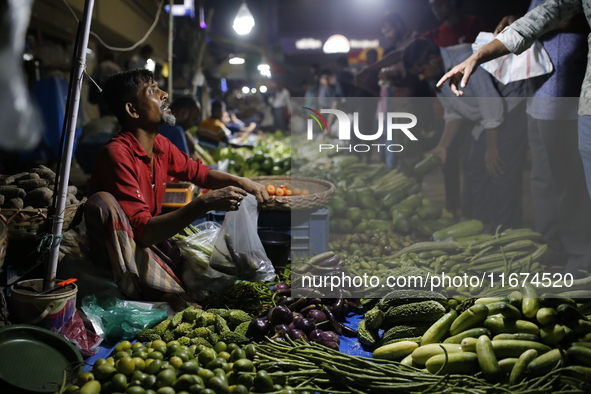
(128, 185)
(454, 28)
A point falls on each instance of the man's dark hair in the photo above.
(188, 102)
(417, 53)
(122, 88)
(325, 71)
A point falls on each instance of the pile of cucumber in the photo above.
(508, 340)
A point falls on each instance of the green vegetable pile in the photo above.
(198, 327)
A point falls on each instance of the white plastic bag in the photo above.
(199, 278)
(238, 250)
(533, 62)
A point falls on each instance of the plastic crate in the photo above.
(308, 229)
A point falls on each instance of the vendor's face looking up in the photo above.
(152, 105)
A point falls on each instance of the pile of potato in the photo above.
(33, 189)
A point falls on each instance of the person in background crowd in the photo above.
(212, 131)
(237, 126)
(497, 151)
(186, 110)
(140, 60)
(280, 102)
(122, 214)
(345, 77)
(309, 93)
(329, 96)
(455, 29)
(399, 36)
(561, 207)
(103, 70)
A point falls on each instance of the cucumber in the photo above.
(491, 300)
(530, 303)
(543, 364)
(423, 353)
(520, 369)
(499, 325)
(471, 333)
(395, 350)
(581, 354)
(469, 344)
(439, 329)
(470, 318)
(487, 360)
(453, 363)
(546, 316)
(514, 348)
(504, 308)
(519, 336)
(459, 230)
(507, 365)
(552, 334)
(581, 327)
(580, 372)
(568, 312)
(426, 165)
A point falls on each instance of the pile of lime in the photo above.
(169, 368)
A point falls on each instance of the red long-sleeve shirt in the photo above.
(123, 169)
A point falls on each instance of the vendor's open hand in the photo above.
(494, 164)
(226, 199)
(256, 189)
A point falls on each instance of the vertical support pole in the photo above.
(71, 116)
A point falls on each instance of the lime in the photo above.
(220, 346)
(166, 377)
(118, 382)
(122, 346)
(206, 355)
(91, 387)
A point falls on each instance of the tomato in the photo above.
(271, 190)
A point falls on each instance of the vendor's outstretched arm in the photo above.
(460, 75)
(227, 191)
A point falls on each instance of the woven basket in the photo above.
(25, 223)
(3, 241)
(320, 193)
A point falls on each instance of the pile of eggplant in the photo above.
(308, 319)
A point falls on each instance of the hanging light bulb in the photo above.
(244, 21)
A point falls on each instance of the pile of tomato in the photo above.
(284, 190)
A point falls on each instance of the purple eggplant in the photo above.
(331, 261)
(305, 325)
(307, 309)
(332, 320)
(279, 315)
(329, 344)
(281, 286)
(316, 316)
(315, 335)
(330, 336)
(298, 304)
(339, 305)
(258, 329)
(348, 331)
(282, 330)
(317, 301)
(286, 301)
(298, 334)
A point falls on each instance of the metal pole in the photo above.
(170, 43)
(71, 116)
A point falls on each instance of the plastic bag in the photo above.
(114, 319)
(85, 341)
(238, 250)
(199, 279)
(197, 248)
